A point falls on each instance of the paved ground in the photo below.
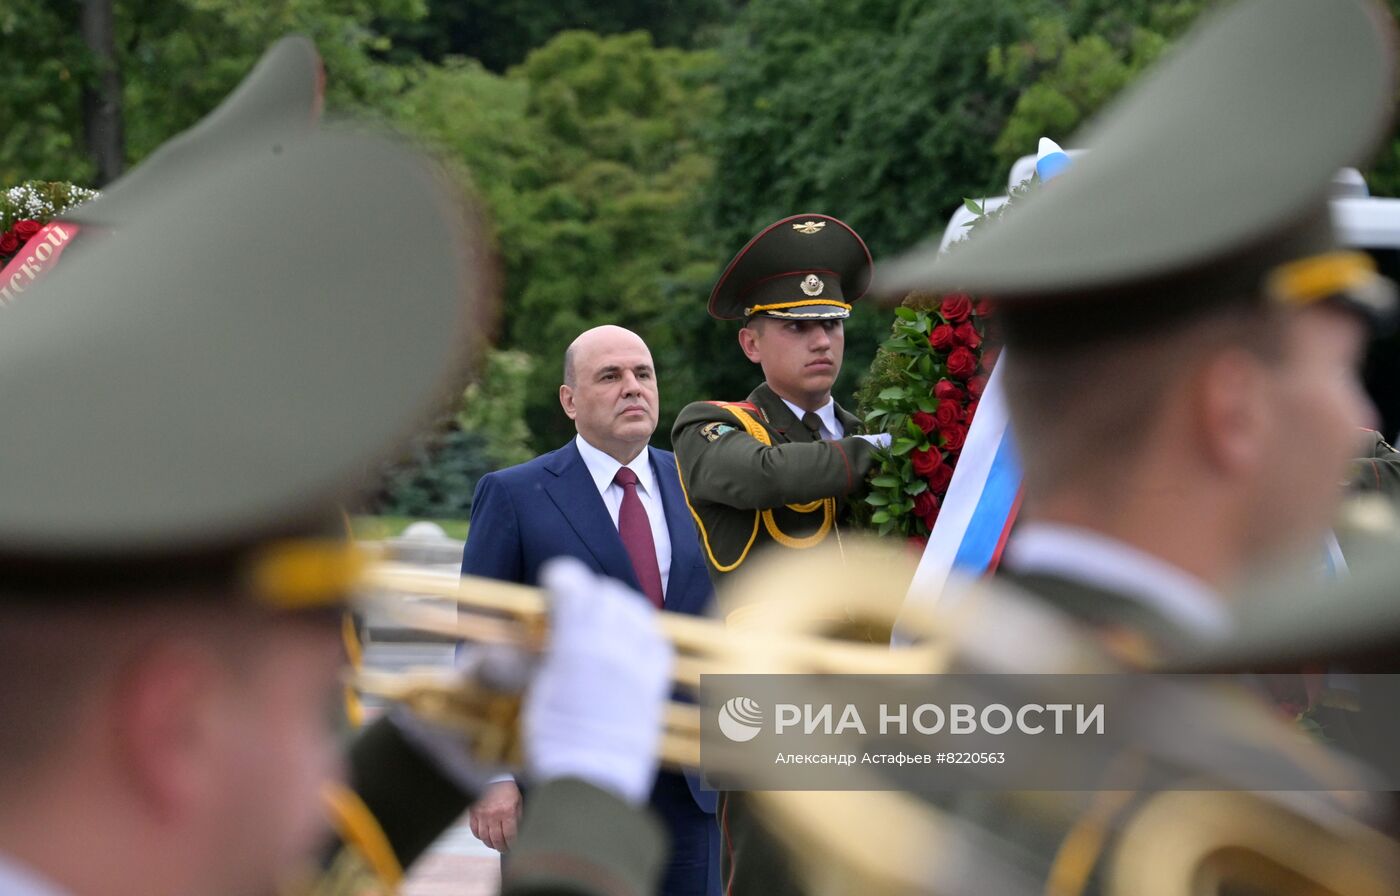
(459, 865)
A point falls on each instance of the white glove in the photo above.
(595, 708)
(879, 439)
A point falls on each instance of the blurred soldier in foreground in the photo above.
(1184, 331)
(188, 399)
(1184, 336)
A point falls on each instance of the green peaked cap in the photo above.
(235, 348)
(1201, 179)
(802, 267)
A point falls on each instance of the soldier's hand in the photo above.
(494, 816)
(596, 707)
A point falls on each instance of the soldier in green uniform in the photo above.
(1183, 341)
(1184, 336)
(189, 396)
(1183, 330)
(779, 467)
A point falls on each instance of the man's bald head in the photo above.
(598, 338)
(610, 390)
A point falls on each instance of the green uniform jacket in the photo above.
(754, 476)
(742, 465)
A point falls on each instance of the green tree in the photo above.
(178, 59)
(881, 116)
(590, 159)
(44, 67)
(1073, 62)
(494, 407)
(437, 475)
(1077, 59)
(501, 33)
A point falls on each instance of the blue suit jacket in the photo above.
(550, 507)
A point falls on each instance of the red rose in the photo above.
(955, 308)
(926, 460)
(947, 413)
(984, 307)
(942, 337)
(946, 391)
(940, 477)
(962, 362)
(954, 437)
(925, 505)
(9, 243)
(27, 228)
(966, 334)
(925, 422)
(989, 358)
(971, 409)
(977, 385)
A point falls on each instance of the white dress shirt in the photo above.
(831, 427)
(1098, 560)
(603, 467)
(17, 880)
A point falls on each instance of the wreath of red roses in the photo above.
(925, 389)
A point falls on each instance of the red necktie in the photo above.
(634, 526)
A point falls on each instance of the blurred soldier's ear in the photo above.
(165, 730)
(1227, 398)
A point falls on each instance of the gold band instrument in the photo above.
(834, 615)
(850, 635)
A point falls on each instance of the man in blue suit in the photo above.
(615, 503)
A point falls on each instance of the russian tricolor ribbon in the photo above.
(982, 500)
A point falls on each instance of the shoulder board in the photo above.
(743, 406)
(746, 406)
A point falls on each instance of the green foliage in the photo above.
(500, 33)
(1078, 58)
(438, 474)
(184, 57)
(881, 116)
(178, 59)
(493, 406)
(1074, 61)
(42, 68)
(590, 160)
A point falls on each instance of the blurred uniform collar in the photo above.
(1069, 552)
